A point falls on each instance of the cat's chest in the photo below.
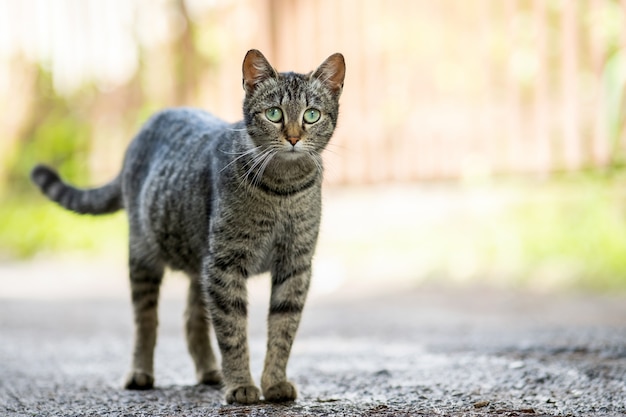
(279, 216)
(260, 229)
(261, 221)
(286, 232)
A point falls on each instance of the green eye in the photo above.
(312, 115)
(274, 114)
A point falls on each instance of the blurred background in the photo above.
(479, 142)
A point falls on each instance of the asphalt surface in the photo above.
(418, 352)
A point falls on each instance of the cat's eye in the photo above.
(312, 115)
(274, 114)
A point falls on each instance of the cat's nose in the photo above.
(293, 140)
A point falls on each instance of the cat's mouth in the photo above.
(292, 151)
(291, 154)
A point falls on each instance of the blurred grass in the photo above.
(582, 230)
(31, 225)
(568, 232)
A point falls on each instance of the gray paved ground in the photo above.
(430, 352)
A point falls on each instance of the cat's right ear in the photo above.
(332, 73)
(256, 69)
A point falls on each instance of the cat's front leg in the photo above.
(290, 285)
(228, 306)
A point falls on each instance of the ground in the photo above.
(421, 351)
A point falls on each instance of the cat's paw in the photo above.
(213, 378)
(138, 380)
(246, 394)
(281, 392)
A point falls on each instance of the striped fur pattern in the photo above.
(222, 202)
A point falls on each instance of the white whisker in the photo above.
(241, 155)
(259, 174)
(241, 179)
(253, 171)
(331, 151)
(317, 160)
(256, 162)
(338, 145)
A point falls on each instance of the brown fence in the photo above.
(434, 89)
(443, 89)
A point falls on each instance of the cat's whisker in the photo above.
(248, 152)
(332, 151)
(268, 159)
(257, 160)
(341, 146)
(233, 153)
(243, 179)
(256, 175)
(340, 150)
(317, 160)
(263, 165)
(252, 169)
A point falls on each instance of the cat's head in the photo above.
(293, 115)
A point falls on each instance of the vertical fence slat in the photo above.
(570, 122)
(600, 150)
(541, 131)
(514, 146)
(622, 127)
(486, 140)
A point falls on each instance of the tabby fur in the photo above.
(223, 202)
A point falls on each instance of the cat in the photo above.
(222, 202)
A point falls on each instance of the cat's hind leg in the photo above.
(197, 326)
(145, 279)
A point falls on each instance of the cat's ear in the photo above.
(331, 73)
(256, 69)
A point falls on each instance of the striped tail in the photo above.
(106, 199)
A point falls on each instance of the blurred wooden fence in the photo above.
(449, 89)
(434, 89)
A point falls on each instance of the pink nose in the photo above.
(293, 140)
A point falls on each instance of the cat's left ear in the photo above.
(256, 69)
(331, 73)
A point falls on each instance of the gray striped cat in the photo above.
(222, 202)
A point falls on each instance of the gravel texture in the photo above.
(422, 352)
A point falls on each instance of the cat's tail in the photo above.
(106, 199)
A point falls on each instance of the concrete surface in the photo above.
(418, 352)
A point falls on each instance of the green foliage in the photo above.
(577, 232)
(614, 79)
(56, 135)
(29, 226)
(567, 232)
